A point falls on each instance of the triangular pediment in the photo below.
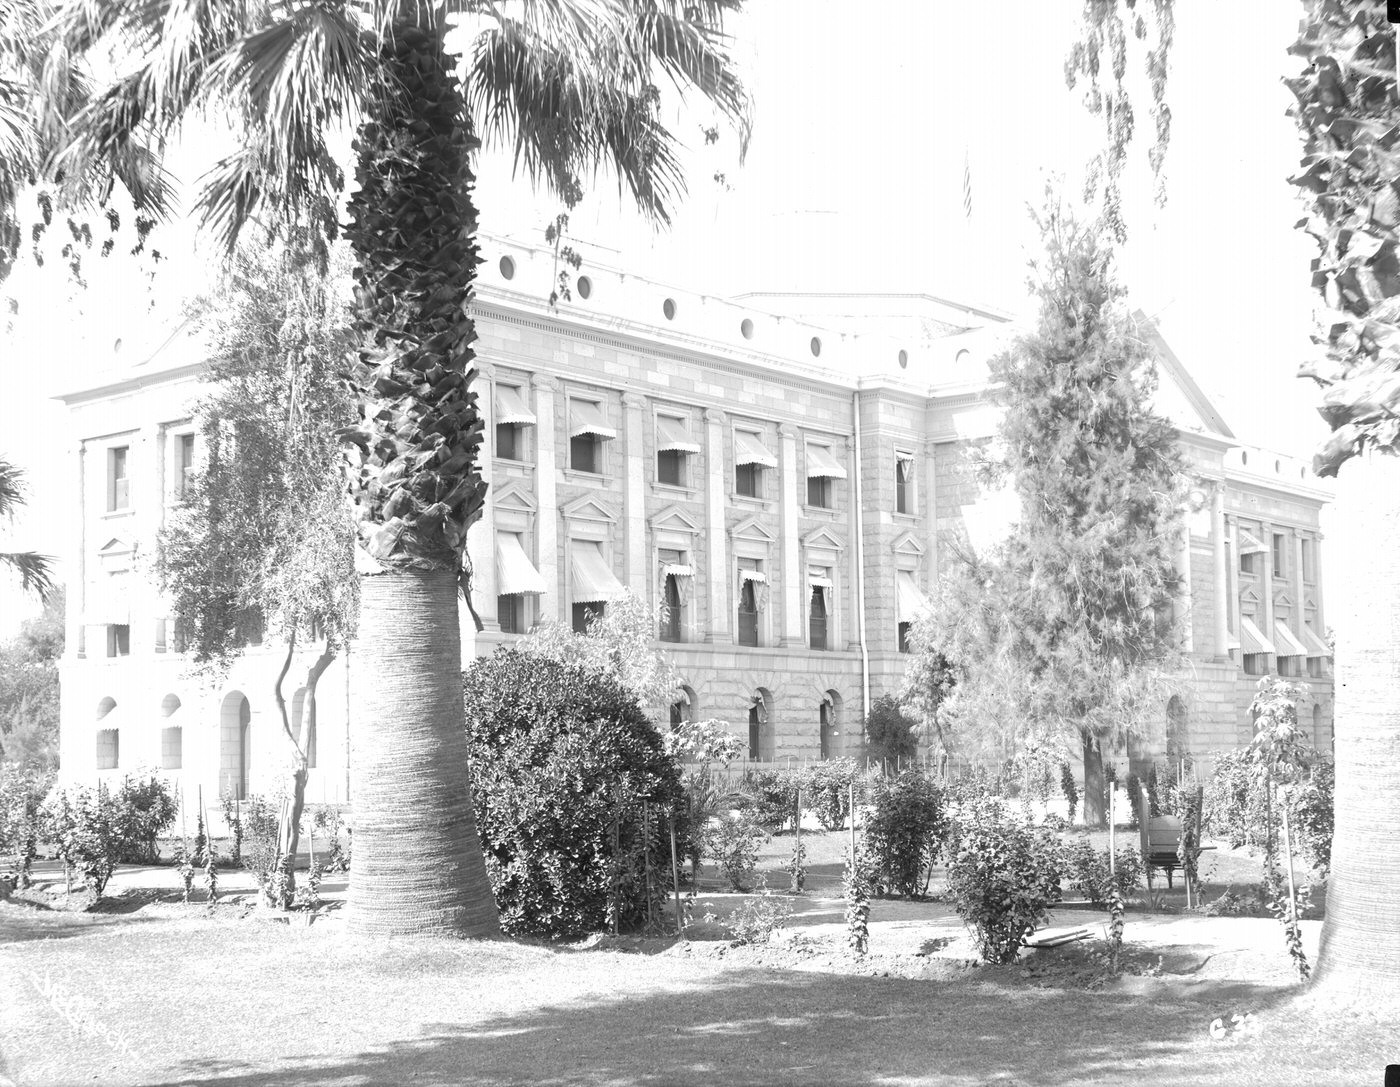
(589, 508)
(1249, 596)
(751, 528)
(1178, 396)
(674, 519)
(906, 543)
(823, 539)
(1310, 602)
(514, 497)
(116, 546)
(1284, 599)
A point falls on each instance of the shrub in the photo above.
(22, 792)
(1070, 789)
(85, 826)
(904, 832)
(773, 796)
(827, 791)
(147, 810)
(1236, 807)
(1089, 874)
(711, 740)
(758, 918)
(261, 847)
(732, 842)
(1310, 815)
(889, 731)
(562, 759)
(1004, 875)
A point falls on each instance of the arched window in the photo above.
(235, 746)
(172, 743)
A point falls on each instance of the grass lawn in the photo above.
(158, 993)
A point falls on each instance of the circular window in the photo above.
(746, 327)
(903, 358)
(1302, 473)
(668, 307)
(585, 286)
(816, 346)
(507, 267)
(1244, 457)
(1276, 466)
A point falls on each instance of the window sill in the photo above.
(125, 511)
(819, 511)
(585, 479)
(674, 490)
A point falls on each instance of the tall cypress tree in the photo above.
(1064, 635)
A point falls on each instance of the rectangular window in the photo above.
(1256, 664)
(118, 485)
(747, 480)
(513, 415)
(904, 646)
(588, 430)
(510, 613)
(1309, 561)
(674, 446)
(584, 614)
(674, 571)
(108, 749)
(1280, 555)
(1317, 667)
(1249, 563)
(184, 464)
(819, 492)
(586, 454)
(750, 580)
(670, 467)
(816, 620)
(172, 748)
(904, 484)
(508, 441)
(751, 456)
(118, 640)
(822, 468)
(671, 620)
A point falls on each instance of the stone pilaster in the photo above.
(1222, 573)
(635, 509)
(791, 576)
(546, 495)
(716, 574)
(1183, 595)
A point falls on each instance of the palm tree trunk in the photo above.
(1361, 936)
(418, 867)
(1095, 810)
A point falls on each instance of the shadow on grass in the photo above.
(789, 1027)
(23, 922)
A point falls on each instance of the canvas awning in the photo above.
(515, 573)
(594, 581)
(108, 602)
(676, 569)
(909, 598)
(586, 417)
(510, 407)
(1252, 639)
(1249, 543)
(1316, 646)
(820, 463)
(753, 575)
(1287, 642)
(749, 449)
(817, 577)
(672, 437)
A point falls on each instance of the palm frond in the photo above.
(35, 570)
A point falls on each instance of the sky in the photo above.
(853, 181)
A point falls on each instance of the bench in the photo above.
(1161, 838)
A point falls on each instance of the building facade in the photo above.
(786, 472)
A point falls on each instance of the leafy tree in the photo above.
(1101, 52)
(889, 731)
(618, 643)
(29, 689)
(1347, 109)
(569, 85)
(34, 570)
(1062, 635)
(263, 536)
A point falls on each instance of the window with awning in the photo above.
(511, 407)
(593, 579)
(586, 419)
(1288, 643)
(910, 602)
(749, 449)
(1316, 646)
(822, 465)
(515, 573)
(673, 436)
(1252, 639)
(1249, 543)
(108, 602)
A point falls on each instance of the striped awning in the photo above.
(586, 417)
(821, 464)
(1316, 646)
(594, 581)
(749, 449)
(1287, 642)
(1252, 639)
(753, 575)
(909, 598)
(515, 573)
(108, 602)
(676, 569)
(1249, 543)
(510, 407)
(672, 436)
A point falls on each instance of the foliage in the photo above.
(1346, 111)
(85, 827)
(857, 886)
(1004, 876)
(1105, 32)
(618, 643)
(889, 732)
(562, 759)
(1088, 872)
(904, 832)
(732, 842)
(34, 570)
(796, 867)
(148, 809)
(261, 820)
(22, 793)
(757, 918)
(29, 689)
(1070, 789)
(233, 819)
(1059, 637)
(928, 680)
(826, 788)
(773, 796)
(1310, 814)
(707, 741)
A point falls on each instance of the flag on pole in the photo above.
(967, 186)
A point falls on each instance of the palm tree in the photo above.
(35, 571)
(1347, 108)
(570, 85)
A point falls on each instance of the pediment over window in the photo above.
(823, 539)
(589, 508)
(752, 529)
(1249, 596)
(1284, 600)
(674, 519)
(116, 554)
(514, 497)
(906, 543)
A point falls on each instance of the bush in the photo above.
(147, 809)
(1089, 873)
(85, 826)
(261, 848)
(22, 793)
(732, 842)
(562, 759)
(773, 796)
(890, 732)
(904, 832)
(826, 789)
(1235, 808)
(1310, 815)
(757, 919)
(1004, 875)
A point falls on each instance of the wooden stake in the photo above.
(675, 874)
(1288, 852)
(1112, 837)
(853, 823)
(797, 830)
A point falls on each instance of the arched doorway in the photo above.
(235, 746)
(760, 727)
(829, 714)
